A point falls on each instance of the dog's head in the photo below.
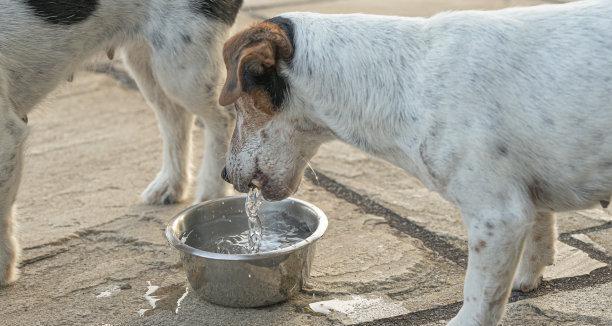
(273, 139)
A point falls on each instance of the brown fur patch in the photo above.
(480, 245)
(255, 49)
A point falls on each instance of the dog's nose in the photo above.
(224, 175)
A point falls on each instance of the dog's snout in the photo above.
(224, 175)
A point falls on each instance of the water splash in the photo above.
(251, 206)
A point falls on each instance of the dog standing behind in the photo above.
(172, 49)
(506, 113)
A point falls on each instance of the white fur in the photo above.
(179, 79)
(506, 113)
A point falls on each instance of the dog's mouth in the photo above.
(271, 189)
(259, 180)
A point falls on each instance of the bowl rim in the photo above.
(179, 245)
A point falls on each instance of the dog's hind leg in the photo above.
(13, 132)
(175, 124)
(539, 252)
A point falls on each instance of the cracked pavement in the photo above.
(394, 252)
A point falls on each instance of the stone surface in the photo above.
(569, 262)
(94, 255)
(603, 240)
(574, 308)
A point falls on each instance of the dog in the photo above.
(173, 51)
(506, 114)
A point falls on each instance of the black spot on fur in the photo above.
(222, 10)
(502, 150)
(271, 81)
(63, 12)
(210, 89)
(605, 203)
(186, 38)
(537, 190)
(549, 121)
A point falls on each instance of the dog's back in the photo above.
(535, 82)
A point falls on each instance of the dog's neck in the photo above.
(357, 75)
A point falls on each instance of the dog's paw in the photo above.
(8, 272)
(527, 282)
(163, 191)
(10, 275)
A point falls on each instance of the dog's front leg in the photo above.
(12, 136)
(496, 236)
(175, 124)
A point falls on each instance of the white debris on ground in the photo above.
(109, 293)
(151, 299)
(359, 309)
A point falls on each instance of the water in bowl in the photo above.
(230, 235)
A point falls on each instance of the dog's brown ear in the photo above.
(253, 60)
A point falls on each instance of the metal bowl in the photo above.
(252, 280)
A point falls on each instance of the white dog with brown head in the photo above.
(505, 113)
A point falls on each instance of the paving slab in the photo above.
(94, 255)
(574, 308)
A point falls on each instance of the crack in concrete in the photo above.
(605, 226)
(81, 233)
(42, 257)
(430, 239)
(589, 249)
(567, 317)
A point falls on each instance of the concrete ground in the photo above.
(394, 252)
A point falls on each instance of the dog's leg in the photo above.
(175, 124)
(188, 70)
(539, 252)
(496, 232)
(12, 137)
(218, 126)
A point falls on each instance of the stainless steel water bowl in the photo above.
(253, 280)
